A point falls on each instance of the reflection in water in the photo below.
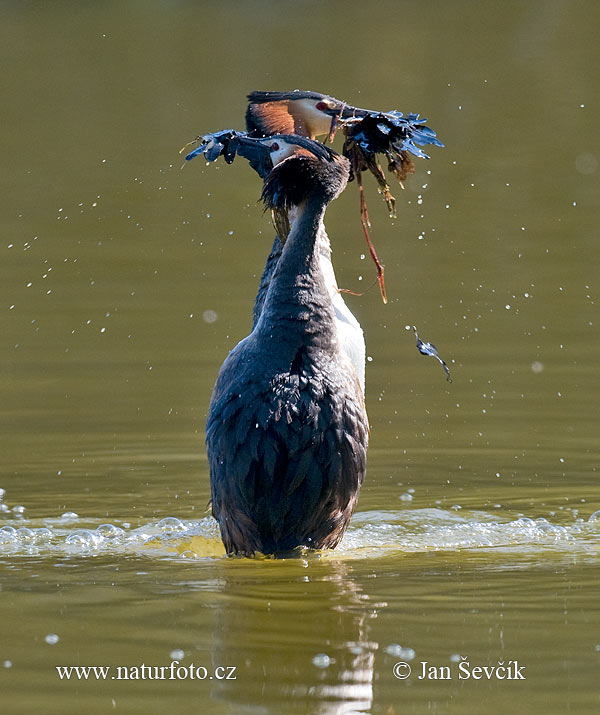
(311, 594)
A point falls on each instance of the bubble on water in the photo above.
(455, 658)
(2, 493)
(209, 316)
(84, 538)
(51, 639)
(43, 534)
(25, 535)
(593, 518)
(596, 648)
(399, 651)
(537, 366)
(8, 534)
(19, 510)
(69, 516)
(171, 523)
(110, 531)
(406, 497)
(322, 660)
(177, 654)
(7, 664)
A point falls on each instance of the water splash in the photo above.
(371, 535)
(420, 530)
(75, 536)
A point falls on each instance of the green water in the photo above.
(126, 279)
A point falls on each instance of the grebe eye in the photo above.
(321, 106)
(274, 146)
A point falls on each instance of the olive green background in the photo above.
(125, 279)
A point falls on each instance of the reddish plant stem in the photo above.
(364, 219)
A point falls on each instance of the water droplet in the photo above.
(322, 660)
(398, 651)
(51, 639)
(69, 516)
(209, 316)
(177, 654)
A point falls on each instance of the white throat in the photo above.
(350, 333)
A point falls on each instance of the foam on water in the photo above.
(378, 533)
(371, 534)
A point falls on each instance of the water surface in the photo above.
(125, 281)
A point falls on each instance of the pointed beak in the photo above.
(257, 153)
(345, 111)
(349, 112)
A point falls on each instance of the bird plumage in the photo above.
(350, 331)
(287, 430)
